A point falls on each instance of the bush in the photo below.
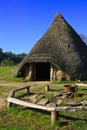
(6, 63)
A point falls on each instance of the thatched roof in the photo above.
(62, 47)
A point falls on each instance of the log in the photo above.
(27, 104)
(31, 105)
(79, 84)
(12, 94)
(71, 108)
(25, 87)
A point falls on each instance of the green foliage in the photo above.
(9, 58)
(6, 63)
(6, 73)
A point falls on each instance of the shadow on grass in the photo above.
(63, 120)
(71, 118)
(67, 119)
(84, 89)
(37, 110)
(55, 90)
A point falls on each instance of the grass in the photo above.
(64, 82)
(68, 82)
(31, 119)
(28, 119)
(24, 119)
(6, 74)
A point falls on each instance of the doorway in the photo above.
(42, 71)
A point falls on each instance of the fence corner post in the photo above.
(54, 116)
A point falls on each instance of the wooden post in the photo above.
(46, 88)
(54, 116)
(9, 104)
(28, 90)
(12, 94)
(51, 72)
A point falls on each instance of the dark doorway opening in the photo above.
(42, 71)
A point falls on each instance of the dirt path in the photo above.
(19, 84)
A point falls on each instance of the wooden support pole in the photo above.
(46, 88)
(28, 90)
(9, 104)
(54, 116)
(12, 94)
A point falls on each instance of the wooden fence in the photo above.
(54, 110)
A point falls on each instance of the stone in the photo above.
(34, 96)
(25, 97)
(40, 96)
(57, 94)
(51, 104)
(59, 102)
(84, 102)
(64, 96)
(43, 101)
(34, 100)
(69, 93)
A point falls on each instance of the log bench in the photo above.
(54, 110)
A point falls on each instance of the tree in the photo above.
(6, 63)
(9, 58)
(1, 54)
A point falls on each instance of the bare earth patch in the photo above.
(2, 102)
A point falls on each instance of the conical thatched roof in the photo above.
(62, 47)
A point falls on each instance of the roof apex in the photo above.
(58, 18)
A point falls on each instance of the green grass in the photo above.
(68, 82)
(24, 119)
(64, 82)
(37, 120)
(31, 119)
(6, 74)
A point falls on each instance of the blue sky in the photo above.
(23, 22)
